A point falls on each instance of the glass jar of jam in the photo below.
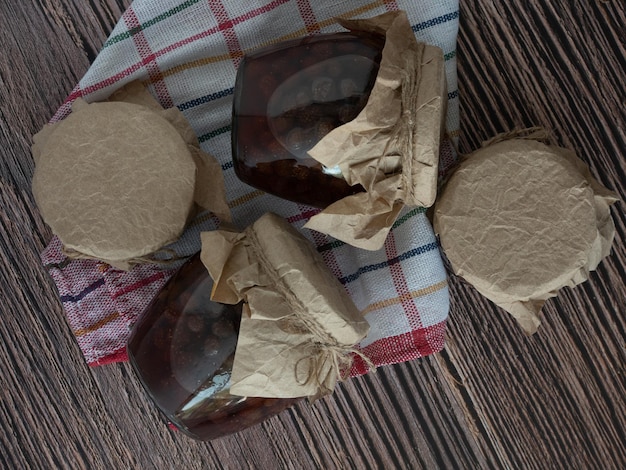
(290, 95)
(182, 349)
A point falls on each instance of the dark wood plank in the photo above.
(493, 399)
(558, 65)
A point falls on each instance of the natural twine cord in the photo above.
(324, 347)
(340, 359)
(405, 132)
(172, 257)
(538, 133)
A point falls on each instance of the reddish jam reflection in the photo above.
(183, 348)
(289, 96)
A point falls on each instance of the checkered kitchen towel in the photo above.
(187, 52)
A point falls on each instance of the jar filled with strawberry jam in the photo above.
(290, 95)
(182, 349)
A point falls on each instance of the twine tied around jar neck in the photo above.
(538, 133)
(405, 131)
(171, 257)
(340, 359)
(398, 154)
(324, 347)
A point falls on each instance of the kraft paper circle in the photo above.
(115, 181)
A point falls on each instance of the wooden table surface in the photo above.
(494, 398)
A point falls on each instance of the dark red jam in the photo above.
(290, 95)
(183, 347)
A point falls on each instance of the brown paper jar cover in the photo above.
(299, 326)
(391, 148)
(519, 220)
(117, 180)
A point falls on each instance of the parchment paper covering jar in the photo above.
(118, 180)
(519, 220)
(370, 112)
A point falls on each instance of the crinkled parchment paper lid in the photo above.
(392, 147)
(117, 180)
(210, 192)
(519, 220)
(114, 181)
(299, 326)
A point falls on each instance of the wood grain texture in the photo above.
(493, 399)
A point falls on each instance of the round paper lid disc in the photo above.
(516, 220)
(115, 181)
